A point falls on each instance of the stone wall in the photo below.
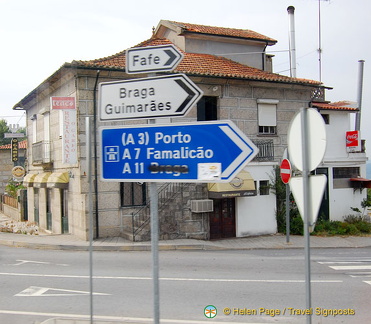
(6, 167)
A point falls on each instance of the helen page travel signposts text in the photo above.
(198, 152)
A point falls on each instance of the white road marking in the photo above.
(353, 267)
(344, 262)
(20, 262)
(357, 275)
(166, 279)
(357, 265)
(41, 291)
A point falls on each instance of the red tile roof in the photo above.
(340, 105)
(201, 65)
(222, 31)
(21, 145)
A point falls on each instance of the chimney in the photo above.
(359, 99)
(292, 48)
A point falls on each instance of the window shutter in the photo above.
(267, 115)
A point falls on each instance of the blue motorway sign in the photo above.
(199, 152)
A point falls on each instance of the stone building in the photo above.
(240, 88)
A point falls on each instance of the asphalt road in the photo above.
(257, 286)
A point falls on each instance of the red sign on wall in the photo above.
(352, 139)
(62, 102)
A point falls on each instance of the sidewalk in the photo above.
(278, 241)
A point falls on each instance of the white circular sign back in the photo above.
(316, 140)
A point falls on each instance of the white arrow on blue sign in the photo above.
(198, 152)
(152, 59)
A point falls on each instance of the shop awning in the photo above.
(41, 179)
(360, 183)
(241, 186)
(28, 179)
(58, 180)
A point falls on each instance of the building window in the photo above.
(132, 194)
(326, 118)
(264, 130)
(207, 108)
(264, 187)
(267, 117)
(34, 129)
(345, 172)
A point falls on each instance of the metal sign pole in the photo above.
(307, 204)
(154, 247)
(287, 204)
(153, 192)
(91, 225)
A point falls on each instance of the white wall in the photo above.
(342, 199)
(256, 215)
(335, 135)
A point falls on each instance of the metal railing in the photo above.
(41, 152)
(141, 218)
(266, 150)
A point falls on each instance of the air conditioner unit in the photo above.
(202, 206)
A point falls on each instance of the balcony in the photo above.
(41, 153)
(266, 150)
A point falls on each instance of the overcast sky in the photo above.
(38, 36)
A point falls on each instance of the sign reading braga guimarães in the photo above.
(162, 96)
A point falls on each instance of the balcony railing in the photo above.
(41, 152)
(266, 150)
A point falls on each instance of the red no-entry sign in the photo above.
(285, 170)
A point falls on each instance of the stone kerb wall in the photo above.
(11, 208)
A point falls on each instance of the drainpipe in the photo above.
(359, 97)
(292, 48)
(95, 156)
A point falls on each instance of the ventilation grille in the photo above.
(202, 206)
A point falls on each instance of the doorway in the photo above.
(36, 205)
(64, 211)
(223, 219)
(324, 210)
(49, 209)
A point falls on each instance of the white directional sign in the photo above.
(152, 59)
(162, 96)
(14, 135)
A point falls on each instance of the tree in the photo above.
(4, 128)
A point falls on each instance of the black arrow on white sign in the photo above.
(162, 96)
(152, 59)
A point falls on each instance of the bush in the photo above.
(352, 225)
(297, 226)
(12, 188)
(353, 219)
(364, 227)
